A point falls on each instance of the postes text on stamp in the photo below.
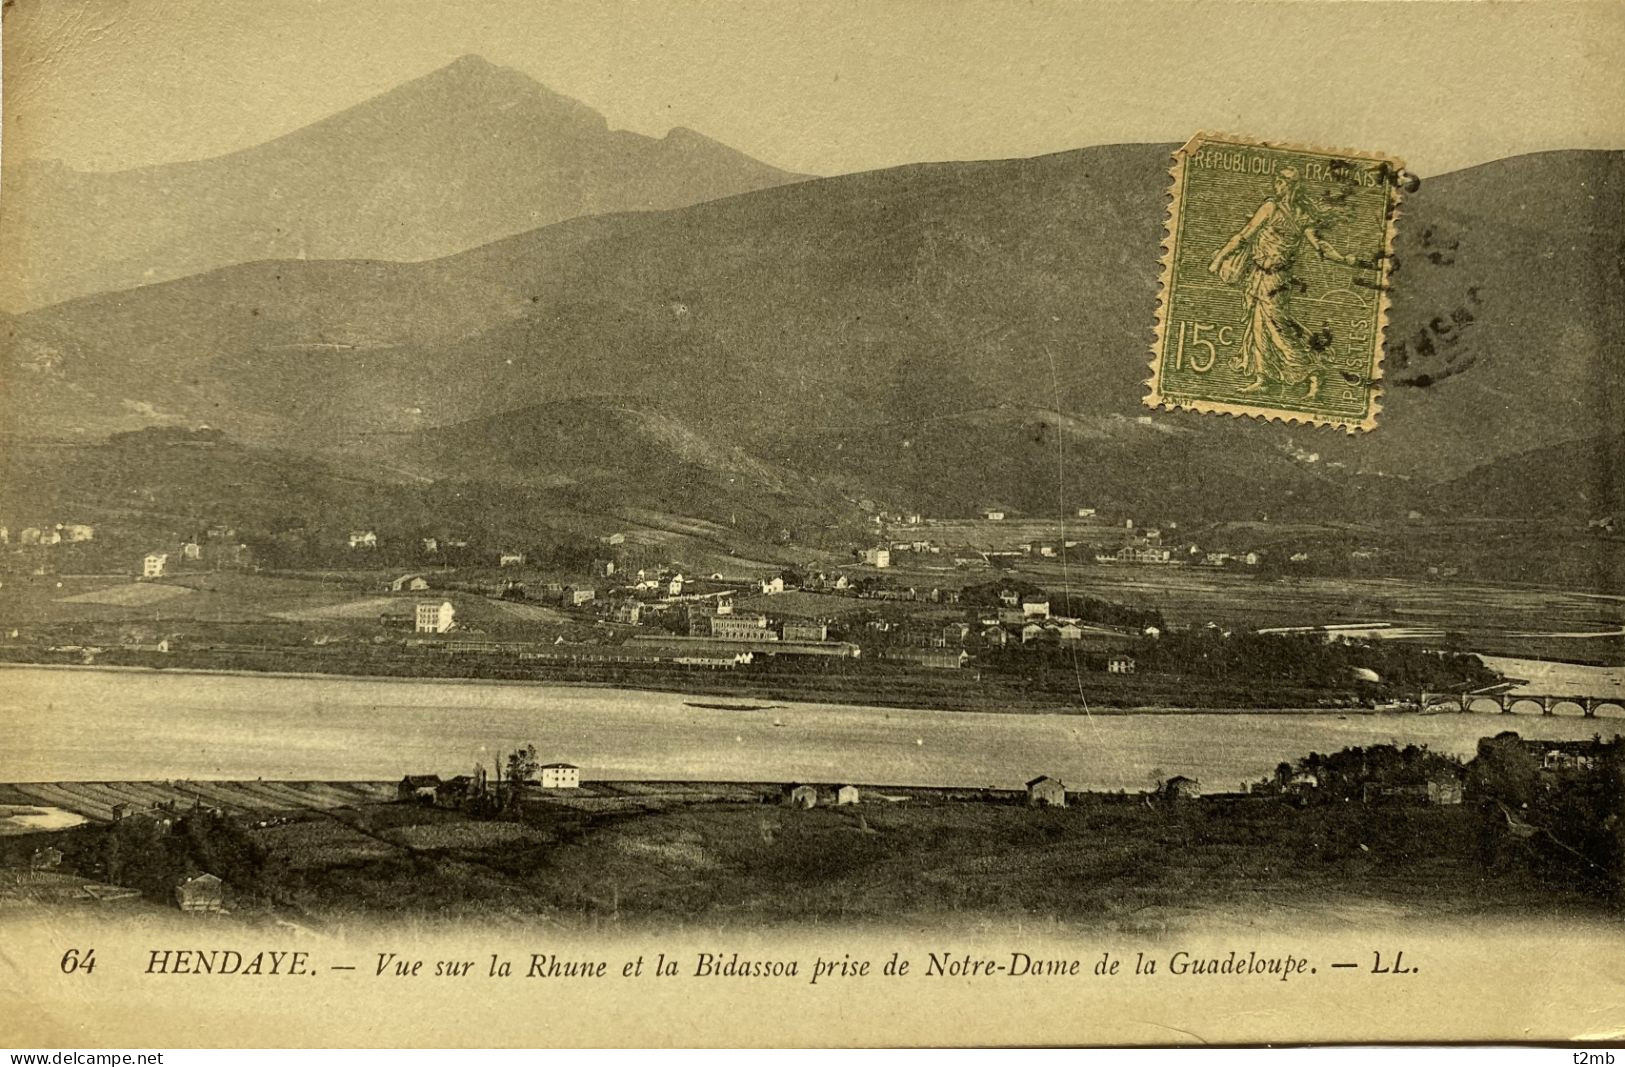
(1275, 281)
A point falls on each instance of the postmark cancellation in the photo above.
(1275, 282)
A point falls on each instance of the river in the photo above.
(61, 724)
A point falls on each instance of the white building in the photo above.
(363, 539)
(433, 618)
(511, 559)
(877, 557)
(153, 565)
(560, 776)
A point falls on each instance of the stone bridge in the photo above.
(1508, 703)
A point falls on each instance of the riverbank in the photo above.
(839, 682)
(725, 855)
(712, 691)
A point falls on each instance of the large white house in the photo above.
(153, 565)
(560, 776)
(877, 557)
(433, 618)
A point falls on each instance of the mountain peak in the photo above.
(460, 156)
(473, 83)
(476, 69)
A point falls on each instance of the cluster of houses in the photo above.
(1044, 791)
(1554, 758)
(466, 789)
(62, 533)
(702, 625)
(217, 545)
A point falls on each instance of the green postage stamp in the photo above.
(1275, 282)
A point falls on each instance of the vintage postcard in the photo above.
(1262, 313)
(575, 524)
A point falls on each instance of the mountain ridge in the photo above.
(853, 311)
(451, 160)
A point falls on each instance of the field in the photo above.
(135, 594)
(95, 800)
(229, 607)
(1503, 619)
(722, 856)
(224, 597)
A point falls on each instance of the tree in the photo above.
(521, 768)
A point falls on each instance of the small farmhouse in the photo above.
(1046, 792)
(1120, 665)
(511, 559)
(424, 788)
(206, 892)
(154, 565)
(1180, 788)
(800, 796)
(409, 583)
(363, 539)
(846, 794)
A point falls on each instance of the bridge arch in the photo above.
(1612, 708)
(1525, 705)
(1483, 705)
(1569, 707)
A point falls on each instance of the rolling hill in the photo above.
(455, 159)
(932, 334)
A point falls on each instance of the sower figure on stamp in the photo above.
(1262, 252)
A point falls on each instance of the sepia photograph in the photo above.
(714, 522)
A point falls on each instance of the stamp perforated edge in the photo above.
(1154, 397)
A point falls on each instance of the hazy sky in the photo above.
(831, 86)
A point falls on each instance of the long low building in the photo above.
(766, 647)
(626, 654)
